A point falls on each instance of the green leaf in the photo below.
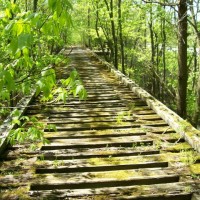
(74, 74)
(5, 95)
(79, 88)
(59, 8)
(26, 118)
(1, 84)
(51, 127)
(34, 119)
(15, 120)
(9, 27)
(9, 81)
(25, 51)
(36, 20)
(13, 45)
(8, 13)
(38, 90)
(52, 4)
(19, 27)
(16, 113)
(25, 40)
(83, 94)
(67, 4)
(65, 19)
(50, 74)
(26, 87)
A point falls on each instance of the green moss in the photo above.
(57, 163)
(117, 161)
(185, 125)
(188, 157)
(193, 133)
(120, 175)
(122, 117)
(179, 146)
(19, 193)
(132, 106)
(41, 163)
(195, 169)
(100, 197)
(174, 135)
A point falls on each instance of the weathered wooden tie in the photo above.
(111, 146)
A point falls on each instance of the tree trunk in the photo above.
(196, 115)
(121, 35)
(114, 35)
(97, 30)
(153, 52)
(182, 59)
(164, 48)
(111, 15)
(89, 24)
(35, 2)
(26, 5)
(197, 111)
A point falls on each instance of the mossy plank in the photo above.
(117, 192)
(51, 182)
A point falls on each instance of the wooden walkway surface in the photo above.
(111, 146)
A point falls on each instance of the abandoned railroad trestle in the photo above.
(120, 143)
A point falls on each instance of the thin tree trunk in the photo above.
(97, 31)
(163, 34)
(111, 10)
(114, 35)
(121, 35)
(35, 3)
(196, 115)
(26, 5)
(164, 48)
(152, 51)
(182, 59)
(89, 25)
(197, 111)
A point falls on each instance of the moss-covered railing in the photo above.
(7, 125)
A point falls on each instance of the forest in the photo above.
(156, 43)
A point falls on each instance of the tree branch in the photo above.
(160, 3)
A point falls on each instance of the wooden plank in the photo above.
(92, 134)
(171, 190)
(59, 145)
(124, 169)
(99, 140)
(96, 153)
(114, 162)
(64, 183)
(107, 123)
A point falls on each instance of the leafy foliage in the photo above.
(28, 129)
(32, 34)
(29, 40)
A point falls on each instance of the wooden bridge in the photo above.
(111, 146)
